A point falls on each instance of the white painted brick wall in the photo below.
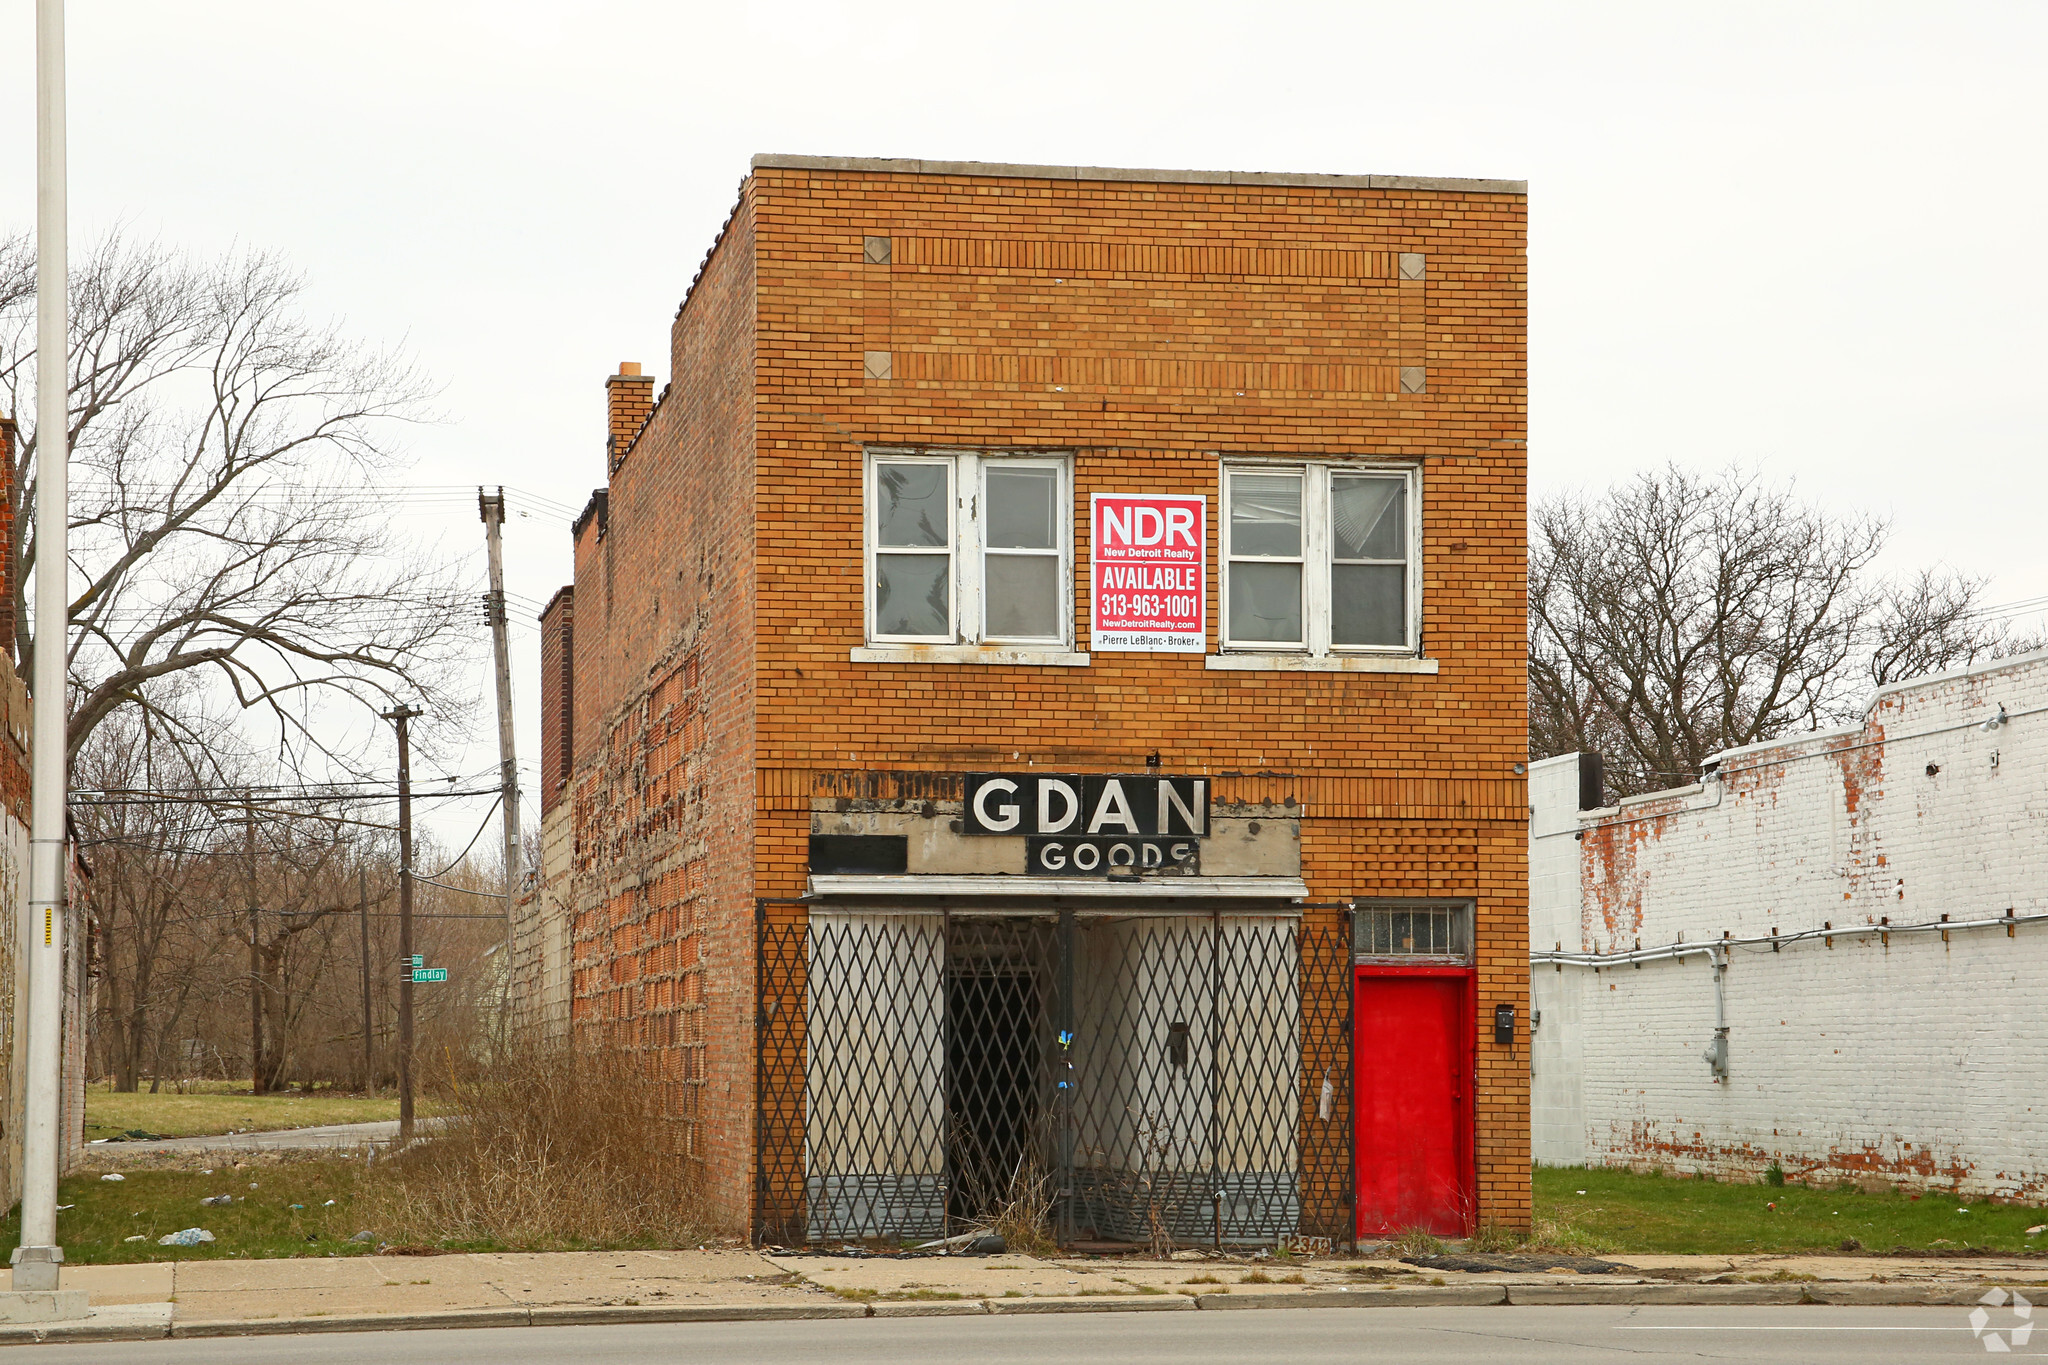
(1918, 1062)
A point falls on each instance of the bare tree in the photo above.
(1682, 614)
(151, 874)
(227, 514)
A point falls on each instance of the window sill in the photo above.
(1325, 663)
(966, 654)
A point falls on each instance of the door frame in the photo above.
(1463, 1138)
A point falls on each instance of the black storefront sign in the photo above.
(1093, 824)
(1098, 805)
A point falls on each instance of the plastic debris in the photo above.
(114, 1176)
(364, 1236)
(138, 1237)
(298, 1206)
(328, 1205)
(215, 1200)
(189, 1237)
(62, 1207)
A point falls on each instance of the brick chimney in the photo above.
(629, 397)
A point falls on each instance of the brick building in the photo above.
(1827, 954)
(1046, 679)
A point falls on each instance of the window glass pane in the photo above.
(1023, 596)
(1440, 932)
(1021, 508)
(1368, 518)
(1265, 514)
(910, 504)
(1368, 604)
(1265, 602)
(913, 595)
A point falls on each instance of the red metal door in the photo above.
(1414, 1100)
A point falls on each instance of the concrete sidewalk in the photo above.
(375, 1293)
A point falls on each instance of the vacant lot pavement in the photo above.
(1504, 1336)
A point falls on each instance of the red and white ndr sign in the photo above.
(1149, 570)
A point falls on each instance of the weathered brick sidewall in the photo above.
(1914, 1061)
(664, 666)
(1149, 327)
(557, 688)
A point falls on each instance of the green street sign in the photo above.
(430, 973)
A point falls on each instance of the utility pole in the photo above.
(492, 509)
(401, 715)
(255, 945)
(38, 1258)
(363, 900)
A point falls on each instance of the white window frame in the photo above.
(1316, 561)
(967, 530)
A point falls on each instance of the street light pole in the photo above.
(38, 1258)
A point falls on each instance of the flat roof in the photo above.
(907, 166)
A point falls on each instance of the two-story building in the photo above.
(1042, 702)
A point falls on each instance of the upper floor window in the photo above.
(969, 548)
(1320, 559)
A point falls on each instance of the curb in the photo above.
(570, 1315)
(1429, 1296)
(1897, 1295)
(356, 1322)
(1444, 1296)
(1094, 1303)
(47, 1333)
(1789, 1291)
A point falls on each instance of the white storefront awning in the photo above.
(1147, 888)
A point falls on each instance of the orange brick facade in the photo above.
(1149, 327)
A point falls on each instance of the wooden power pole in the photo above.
(255, 947)
(401, 715)
(492, 508)
(363, 902)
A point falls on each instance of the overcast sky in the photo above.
(1804, 236)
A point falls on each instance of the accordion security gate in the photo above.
(1168, 1076)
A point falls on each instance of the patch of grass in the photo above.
(1296, 1278)
(1493, 1239)
(1201, 1279)
(1254, 1277)
(1414, 1242)
(546, 1152)
(150, 1202)
(214, 1107)
(1622, 1212)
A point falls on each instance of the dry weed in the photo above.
(547, 1149)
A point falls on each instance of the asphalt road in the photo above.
(1498, 1336)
